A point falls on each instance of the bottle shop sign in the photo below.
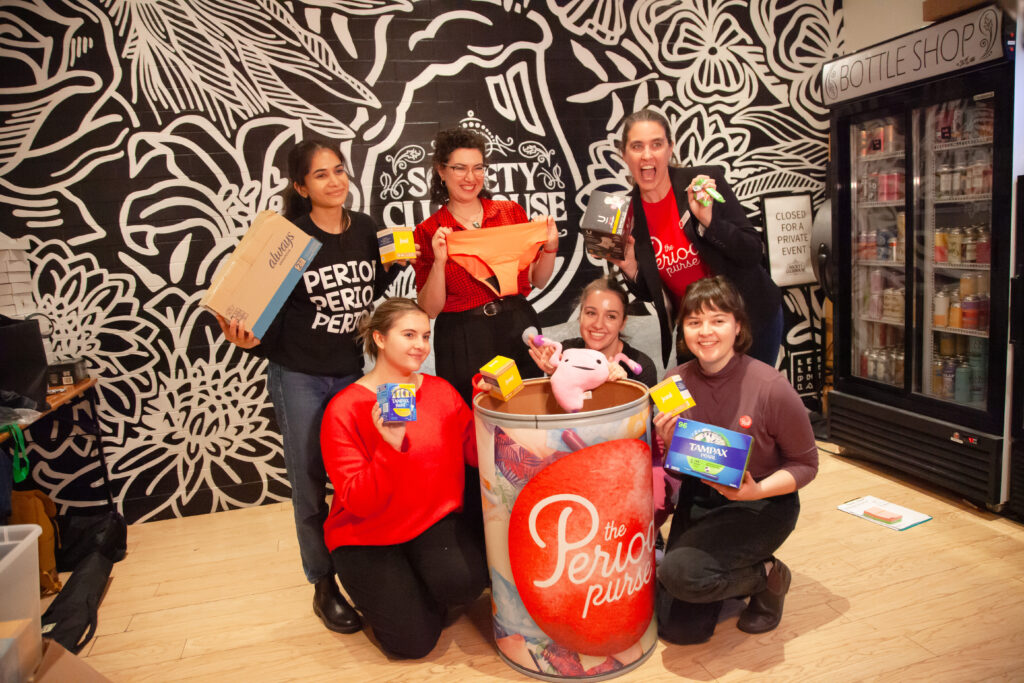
(967, 40)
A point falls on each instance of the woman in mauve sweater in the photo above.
(722, 539)
(401, 548)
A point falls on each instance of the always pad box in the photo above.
(255, 280)
(709, 452)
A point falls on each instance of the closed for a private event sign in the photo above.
(787, 228)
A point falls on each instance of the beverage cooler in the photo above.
(922, 235)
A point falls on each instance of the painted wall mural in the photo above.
(140, 139)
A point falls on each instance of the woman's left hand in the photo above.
(665, 426)
(551, 245)
(393, 433)
(697, 198)
(748, 490)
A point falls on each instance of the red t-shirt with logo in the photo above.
(677, 259)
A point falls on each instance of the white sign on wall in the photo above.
(787, 229)
(965, 41)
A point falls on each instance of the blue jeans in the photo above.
(299, 402)
(767, 341)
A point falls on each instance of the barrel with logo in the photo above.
(568, 519)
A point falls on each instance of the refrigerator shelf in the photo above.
(880, 157)
(881, 263)
(965, 198)
(897, 203)
(946, 265)
(895, 322)
(957, 144)
(983, 334)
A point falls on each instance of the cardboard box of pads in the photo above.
(255, 280)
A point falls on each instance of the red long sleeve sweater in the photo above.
(383, 496)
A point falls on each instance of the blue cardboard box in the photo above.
(709, 452)
(397, 402)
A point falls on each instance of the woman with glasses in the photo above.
(473, 322)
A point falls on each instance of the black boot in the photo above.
(332, 608)
(765, 609)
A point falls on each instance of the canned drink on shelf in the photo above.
(955, 318)
(962, 382)
(940, 310)
(982, 286)
(947, 344)
(955, 245)
(970, 249)
(883, 253)
(875, 305)
(871, 245)
(983, 311)
(901, 224)
(863, 143)
(898, 365)
(863, 363)
(876, 278)
(871, 189)
(983, 249)
(937, 377)
(948, 377)
(961, 344)
(941, 245)
(945, 178)
(968, 284)
(970, 310)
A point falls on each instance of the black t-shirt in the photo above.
(315, 331)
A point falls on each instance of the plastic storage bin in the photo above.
(19, 601)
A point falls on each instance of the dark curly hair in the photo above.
(446, 142)
(716, 294)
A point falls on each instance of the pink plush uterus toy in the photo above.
(578, 371)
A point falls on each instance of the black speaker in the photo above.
(23, 366)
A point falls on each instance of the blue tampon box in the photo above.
(709, 452)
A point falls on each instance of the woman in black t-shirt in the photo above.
(312, 350)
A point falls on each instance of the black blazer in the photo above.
(731, 246)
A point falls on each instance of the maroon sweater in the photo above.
(749, 392)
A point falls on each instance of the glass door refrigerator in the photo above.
(921, 217)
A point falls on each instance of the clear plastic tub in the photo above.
(19, 597)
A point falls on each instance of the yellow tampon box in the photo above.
(503, 377)
(396, 244)
(671, 396)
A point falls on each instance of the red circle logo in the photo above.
(745, 422)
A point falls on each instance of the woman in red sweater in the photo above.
(722, 539)
(401, 548)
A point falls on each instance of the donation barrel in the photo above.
(568, 518)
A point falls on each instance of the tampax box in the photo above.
(255, 280)
(397, 402)
(396, 244)
(709, 452)
(607, 224)
(503, 377)
(671, 396)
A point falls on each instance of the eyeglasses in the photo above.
(462, 170)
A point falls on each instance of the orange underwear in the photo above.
(495, 256)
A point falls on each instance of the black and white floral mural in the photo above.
(139, 139)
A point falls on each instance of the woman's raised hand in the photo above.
(439, 243)
(541, 355)
(236, 333)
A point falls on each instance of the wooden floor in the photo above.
(222, 597)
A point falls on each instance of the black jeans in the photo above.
(716, 550)
(404, 590)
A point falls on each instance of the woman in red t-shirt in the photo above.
(677, 240)
(474, 324)
(401, 547)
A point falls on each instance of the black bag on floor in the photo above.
(81, 534)
(71, 617)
